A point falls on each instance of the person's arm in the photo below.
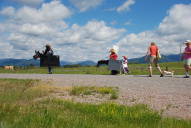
(45, 52)
(52, 52)
(186, 51)
(147, 54)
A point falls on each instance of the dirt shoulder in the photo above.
(171, 96)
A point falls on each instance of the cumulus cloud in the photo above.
(172, 31)
(47, 13)
(27, 29)
(126, 6)
(84, 5)
(177, 21)
(88, 42)
(8, 11)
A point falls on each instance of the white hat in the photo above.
(187, 41)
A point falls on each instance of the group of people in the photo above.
(152, 56)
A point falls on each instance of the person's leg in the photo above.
(187, 67)
(158, 67)
(49, 69)
(127, 70)
(150, 70)
(186, 71)
(151, 59)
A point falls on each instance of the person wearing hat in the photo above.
(152, 55)
(113, 54)
(49, 52)
(187, 58)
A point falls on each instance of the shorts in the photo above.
(153, 60)
(187, 61)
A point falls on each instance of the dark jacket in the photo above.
(48, 52)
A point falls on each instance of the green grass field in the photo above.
(135, 69)
(28, 104)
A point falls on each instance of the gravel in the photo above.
(169, 95)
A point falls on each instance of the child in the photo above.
(125, 65)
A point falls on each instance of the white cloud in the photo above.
(93, 32)
(9, 11)
(177, 21)
(126, 6)
(172, 31)
(25, 33)
(29, 2)
(88, 42)
(27, 29)
(84, 5)
(38, 29)
(47, 13)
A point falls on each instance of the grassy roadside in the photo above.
(135, 69)
(19, 108)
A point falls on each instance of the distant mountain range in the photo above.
(32, 62)
(19, 62)
(165, 58)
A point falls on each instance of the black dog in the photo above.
(101, 62)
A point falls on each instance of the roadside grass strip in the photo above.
(135, 69)
(20, 109)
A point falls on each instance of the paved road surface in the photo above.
(173, 95)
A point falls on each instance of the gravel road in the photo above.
(172, 95)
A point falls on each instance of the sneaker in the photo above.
(150, 76)
(161, 75)
(187, 77)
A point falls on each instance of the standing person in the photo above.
(125, 64)
(49, 53)
(152, 54)
(113, 55)
(187, 58)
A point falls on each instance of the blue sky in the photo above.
(92, 27)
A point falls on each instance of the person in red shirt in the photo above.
(152, 55)
(113, 54)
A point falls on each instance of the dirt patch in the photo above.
(170, 96)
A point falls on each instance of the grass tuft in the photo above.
(90, 90)
(19, 109)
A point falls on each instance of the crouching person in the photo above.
(113, 57)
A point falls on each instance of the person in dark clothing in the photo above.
(49, 53)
